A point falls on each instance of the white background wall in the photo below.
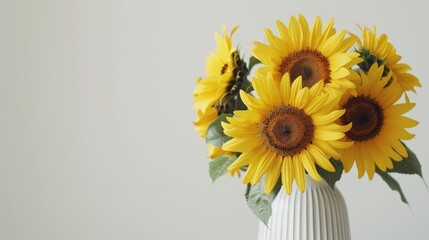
(96, 134)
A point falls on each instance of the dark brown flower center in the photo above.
(308, 63)
(366, 117)
(287, 130)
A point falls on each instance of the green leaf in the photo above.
(331, 177)
(393, 184)
(215, 135)
(219, 166)
(252, 62)
(259, 202)
(409, 165)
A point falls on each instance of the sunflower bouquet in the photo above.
(319, 102)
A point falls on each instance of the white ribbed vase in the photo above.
(319, 213)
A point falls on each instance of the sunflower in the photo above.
(377, 123)
(379, 50)
(225, 75)
(312, 54)
(285, 132)
(203, 121)
(215, 93)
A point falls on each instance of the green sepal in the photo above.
(252, 62)
(393, 184)
(409, 165)
(331, 177)
(219, 166)
(249, 88)
(239, 104)
(215, 135)
(259, 202)
(246, 194)
(369, 58)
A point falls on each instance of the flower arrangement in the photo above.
(320, 101)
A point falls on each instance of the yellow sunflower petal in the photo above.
(285, 89)
(347, 159)
(320, 158)
(242, 144)
(273, 174)
(327, 135)
(309, 166)
(251, 169)
(288, 174)
(299, 173)
(328, 118)
(263, 166)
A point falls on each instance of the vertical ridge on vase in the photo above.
(339, 218)
(287, 217)
(316, 222)
(319, 213)
(335, 215)
(296, 215)
(309, 212)
(312, 209)
(345, 221)
(328, 216)
(304, 210)
(281, 206)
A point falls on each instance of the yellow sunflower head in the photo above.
(378, 124)
(379, 50)
(285, 132)
(226, 73)
(314, 54)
